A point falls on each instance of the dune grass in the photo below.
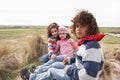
(109, 29)
(14, 33)
(111, 40)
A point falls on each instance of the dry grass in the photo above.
(111, 68)
(14, 54)
(27, 48)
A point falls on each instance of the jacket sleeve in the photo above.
(57, 48)
(72, 72)
(50, 46)
(72, 60)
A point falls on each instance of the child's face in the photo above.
(62, 36)
(54, 32)
(81, 31)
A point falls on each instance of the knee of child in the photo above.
(51, 70)
(32, 76)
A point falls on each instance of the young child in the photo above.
(52, 34)
(65, 45)
(89, 59)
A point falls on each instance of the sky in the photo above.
(44, 12)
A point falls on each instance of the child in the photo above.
(52, 34)
(65, 45)
(89, 59)
(88, 63)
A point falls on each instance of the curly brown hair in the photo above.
(85, 18)
(52, 25)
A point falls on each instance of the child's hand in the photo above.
(53, 57)
(50, 53)
(65, 61)
(51, 40)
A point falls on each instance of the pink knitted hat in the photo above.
(62, 30)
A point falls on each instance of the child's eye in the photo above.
(77, 25)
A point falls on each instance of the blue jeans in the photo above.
(51, 74)
(51, 63)
(46, 57)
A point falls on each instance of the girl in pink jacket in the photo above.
(65, 45)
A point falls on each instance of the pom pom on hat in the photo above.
(62, 30)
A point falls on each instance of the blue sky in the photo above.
(43, 12)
